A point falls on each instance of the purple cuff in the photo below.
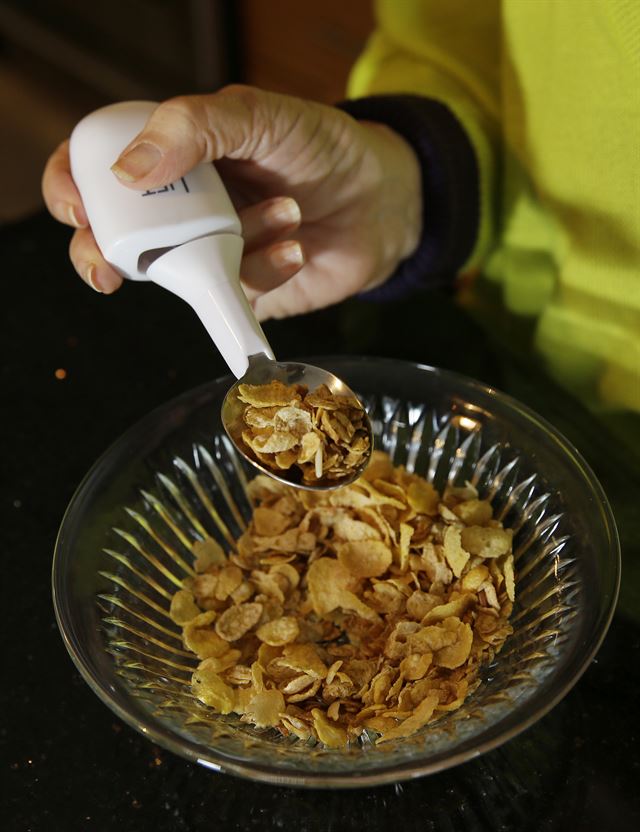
(450, 189)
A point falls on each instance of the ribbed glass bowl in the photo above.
(124, 548)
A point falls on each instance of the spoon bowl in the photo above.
(263, 370)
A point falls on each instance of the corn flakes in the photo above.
(370, 607)
(321, 436)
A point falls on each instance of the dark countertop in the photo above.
(69, 764)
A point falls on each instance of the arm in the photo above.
(431, 73)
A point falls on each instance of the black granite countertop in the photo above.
(68, 763)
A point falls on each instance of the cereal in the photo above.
(456, 556)
(269, 522)
(199, 636)
(229, 579)
(474, 578)
(236, 621)
(474, 512)
(415, 665)
(365, 558)
(208, 552)
(211, 689)
(183, 607)
(453, 655)
(320, 436)
(280, 631)
(421, 715)
(304, 658)
(486, 542)
(509, 578)
(219, 663)
(333, 736)
(423, 498)
(265, 708)
(275, 394)
(367, 608)
(327, 580)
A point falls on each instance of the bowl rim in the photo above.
(395, 772)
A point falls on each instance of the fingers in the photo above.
(268, 264)
(63, 201)
(263, 222)
(91, 265)
(292, 297)
(59, 191)
(267, 269)
(262, 270)
(185, 131)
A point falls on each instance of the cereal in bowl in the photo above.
(367, 608)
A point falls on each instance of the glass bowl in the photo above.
(124, 547)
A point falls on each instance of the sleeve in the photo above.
(431, 72)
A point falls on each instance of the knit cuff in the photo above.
(450, 188)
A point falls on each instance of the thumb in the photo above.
(184, 131)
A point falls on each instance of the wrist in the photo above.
(450, 183)
(399, 192)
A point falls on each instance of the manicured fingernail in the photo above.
(74, 219)
(137, 162)
(287, 254)
(282, 212)
(91, 278)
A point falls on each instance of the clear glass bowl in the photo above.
(124, 547)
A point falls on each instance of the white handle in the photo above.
(193, 218)
(205, 273)
(128, 223)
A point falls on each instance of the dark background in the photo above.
(79, 368)
(60, 59)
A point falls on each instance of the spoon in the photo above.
(263, 370)
(187, 238)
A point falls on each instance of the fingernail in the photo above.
(105, 285)
(75, 221)
(137, 162)
(282, 212)
(287, 254)
(91, 278)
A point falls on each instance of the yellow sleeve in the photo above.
(448, 51)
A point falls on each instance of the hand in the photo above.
(329, 206)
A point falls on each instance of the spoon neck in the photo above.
(259, 359)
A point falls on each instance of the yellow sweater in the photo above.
(549, 94)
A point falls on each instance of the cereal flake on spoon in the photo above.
(317, 434)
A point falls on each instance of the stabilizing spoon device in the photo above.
(187, 238)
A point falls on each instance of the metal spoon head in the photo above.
(263, 370)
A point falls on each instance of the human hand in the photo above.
(329, 206)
